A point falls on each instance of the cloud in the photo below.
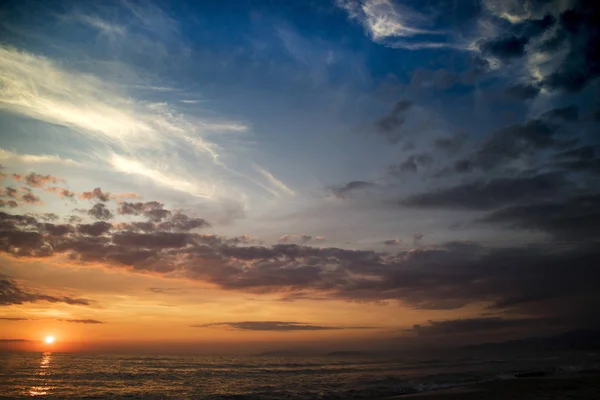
(492, 193)
(135, 167)
(510, 144)
(573, 218)
(392, 24)
(96, 229)
(392, 242)
(99, 211)
(279, 326)
(445, 276)
(450, 145)
(412, 164)
(98, 23)
(557, 41)
(505, 48)
(7, 156)
(13, 319)
(388, 126)
(82, 321)
(61, 192)
(115, 124)
(36, 180)
(11, 294)
(344, 191)
(568, 113)
(8, 203)
(22, 193)
(579, 33)
(523, 91)
(96, 194)
(474, 325)
(274, 182)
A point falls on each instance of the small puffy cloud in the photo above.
(96, 194)
(36, 180)
(61, 192)
(99, 211)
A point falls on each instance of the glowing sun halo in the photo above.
(49, 339)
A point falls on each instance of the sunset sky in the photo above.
(239, 176)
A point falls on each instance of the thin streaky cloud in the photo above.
(10, 157)
(135, 167)
(276, 183)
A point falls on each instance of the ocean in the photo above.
(96, 376)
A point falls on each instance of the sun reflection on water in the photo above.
(42, 388)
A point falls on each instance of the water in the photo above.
(64, 375)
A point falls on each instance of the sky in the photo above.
(239, 176)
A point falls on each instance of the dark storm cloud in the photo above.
(523, 91)
(583, 159)
(509, 144)
(56, 230)
(568, 113)
(11, 294)
(99, 211)
(486, 194)
(388, 126)
(82, 321)
(576, 218)
(535, 27)
(412, 164)
(280, 326)
(473, 325)
(95, 229)
(344, 191)
(450, 144)
(578, 32)
(505, 48)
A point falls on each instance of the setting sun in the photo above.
(49, 339)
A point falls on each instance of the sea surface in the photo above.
(89, 376)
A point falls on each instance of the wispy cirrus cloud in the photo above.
(10, 157)
(392, 24)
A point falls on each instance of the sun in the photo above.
(49, 339)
